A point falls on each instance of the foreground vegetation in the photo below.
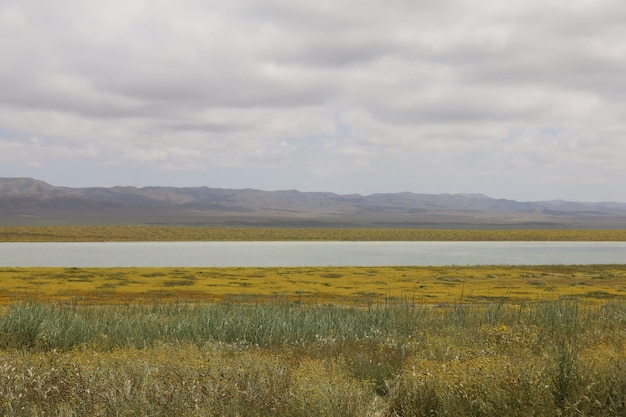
(557, 358)
(484, 341)
(171, 233)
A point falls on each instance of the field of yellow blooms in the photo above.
(430, 285)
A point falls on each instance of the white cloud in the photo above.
(355, 96)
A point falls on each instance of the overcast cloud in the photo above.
(518, 99)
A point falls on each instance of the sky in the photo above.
(517, 99)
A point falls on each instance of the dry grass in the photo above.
(172, 233)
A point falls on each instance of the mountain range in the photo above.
(27, 201)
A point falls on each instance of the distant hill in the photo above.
(26, 201)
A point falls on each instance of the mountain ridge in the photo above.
(32, 201)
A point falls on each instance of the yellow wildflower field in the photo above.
(431, 285)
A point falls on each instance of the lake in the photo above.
(273, 254)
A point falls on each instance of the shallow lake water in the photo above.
(273, 254)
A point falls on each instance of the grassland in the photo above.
(171, 233)
(483, 341)
(558, 358)
(380, 342)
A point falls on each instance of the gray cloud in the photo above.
(346, 96)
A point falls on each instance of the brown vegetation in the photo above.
(172, 233)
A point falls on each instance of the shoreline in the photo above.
(141, 233)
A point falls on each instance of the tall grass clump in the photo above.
(57, 326)
(176, 381)
(552, 359)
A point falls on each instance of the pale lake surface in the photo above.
(274, 254)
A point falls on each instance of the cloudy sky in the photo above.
(519, 99)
